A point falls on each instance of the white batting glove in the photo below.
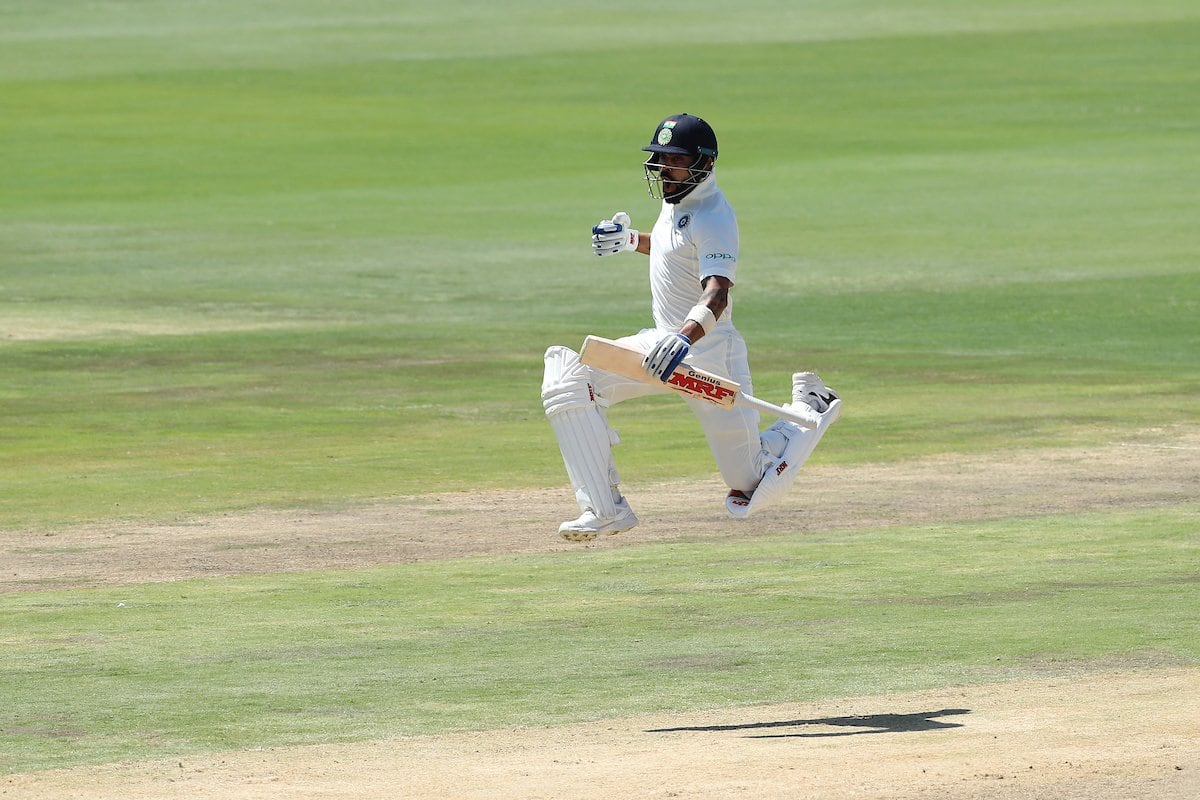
(611, 236)
(665, 356)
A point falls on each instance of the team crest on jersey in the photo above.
(683, 221)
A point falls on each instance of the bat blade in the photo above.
(688, 381)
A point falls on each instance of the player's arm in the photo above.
(712, 305)
(662, 360)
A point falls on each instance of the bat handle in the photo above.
(805, 418)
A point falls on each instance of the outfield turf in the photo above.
(537, 640)
(309, 254)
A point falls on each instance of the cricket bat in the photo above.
(688, 381)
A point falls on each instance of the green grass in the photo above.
(489, 643)
(308, 254)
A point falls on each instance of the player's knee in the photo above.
(773, 442)
(566, 381)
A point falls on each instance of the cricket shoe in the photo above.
(810, 390)
(588, 526)
(737, 503)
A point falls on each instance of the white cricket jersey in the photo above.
(691, 240)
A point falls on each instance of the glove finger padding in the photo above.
(606, 238)
(611, 236)
(665, 356)
(603, 247)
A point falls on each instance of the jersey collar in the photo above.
(702, 192)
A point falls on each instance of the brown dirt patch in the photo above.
(1151, 468)
(1120, 734)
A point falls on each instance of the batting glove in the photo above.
(665, 356)
(612, 236)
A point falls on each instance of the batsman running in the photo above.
(693, 250)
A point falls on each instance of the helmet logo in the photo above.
(665, 133)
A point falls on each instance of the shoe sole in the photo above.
(587, 536)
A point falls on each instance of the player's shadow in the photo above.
(856, 725)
